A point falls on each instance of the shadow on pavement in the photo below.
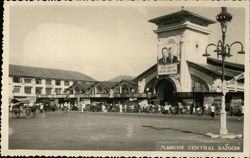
(173, 129)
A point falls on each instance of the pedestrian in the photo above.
(68, 106)
(11, 106)
(103, 108)
(120, 108)
(83, 106)
(212, 110)
(188, 109)
(125, 107)
(166, 108)
(199, 111)
(41, 107)
(242, 112)
(180, 108)
(132, 107)
(159, 108)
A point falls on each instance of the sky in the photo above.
(102, 42)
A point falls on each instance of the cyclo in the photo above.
(22, 107)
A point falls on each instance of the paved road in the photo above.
(113, 131)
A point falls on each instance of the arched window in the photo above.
(99, 89)
(199, 85)
(125, 88)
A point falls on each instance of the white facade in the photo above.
(191, 41)
(32, 87)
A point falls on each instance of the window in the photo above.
(196, 45)
(16, 79)
(27, 80)
(17, 89)
(48, 82)
(27, 90)
(58, 91)
(117, 90)
(48, 91)
(58, 82)
(39, 90)
(66, 83)
(125, 89)
(199, 85)
(38, 81)
(99, 89)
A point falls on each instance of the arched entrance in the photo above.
(165, 89)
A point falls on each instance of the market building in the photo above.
(59, 86)
(105, 91)
(42, 83)
(181, 74)
(186, 75)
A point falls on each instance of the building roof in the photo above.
(217, 69)
(183, 14)
(37, 72)
(109, 84)
(84, 85)
(229, 65)
(131, 82)
(213, 65)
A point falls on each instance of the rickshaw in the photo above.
(21, 108)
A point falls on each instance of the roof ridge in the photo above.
(43, 68)
(33, 71)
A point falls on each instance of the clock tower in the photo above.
(187, 34)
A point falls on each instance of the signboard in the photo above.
(168, 58)
(208, 100)
(188, 101)
(167, 69)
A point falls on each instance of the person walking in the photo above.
(212, 110)
(167, 108)
(180, 108)
(120, 108)
(41, 107)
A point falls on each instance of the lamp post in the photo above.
(223, 50)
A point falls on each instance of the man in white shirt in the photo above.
(212, 110)
(167, 108)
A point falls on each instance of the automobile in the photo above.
(50, 106)
(235, 110)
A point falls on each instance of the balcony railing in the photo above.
(115, 95)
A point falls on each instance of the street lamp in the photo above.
(223, 50)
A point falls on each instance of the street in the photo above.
(113, 131)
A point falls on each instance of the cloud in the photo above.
(96, 54)
(143, 10)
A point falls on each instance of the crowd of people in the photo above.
(145, 106)
(177, 108)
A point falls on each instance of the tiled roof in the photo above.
(108, 84)
(230, 65)
(37, 72)
(232, 69)
(217, 70)
(131, 82)
(85, 85)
